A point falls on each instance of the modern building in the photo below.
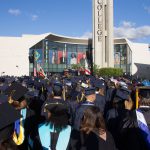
(54, 53)
(133, 58)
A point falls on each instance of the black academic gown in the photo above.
(113, 119)
(81, 141)
(100, 102)
(30, 129)
(110, 93)
(129, 134)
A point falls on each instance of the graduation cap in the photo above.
(67, 82)
(16, 90)
(58, 84)
(3, 98)
(59, 112)
(126, 90)
(38, 84)
(122, 95)
(99, 83)
(145, 93)
(3, 87)
(2, 80)
(10, 80)
(8, 115)
(89, 91)
(31, 94)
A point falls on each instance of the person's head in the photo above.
(84, 56)
(57, 89)
(123, 103)
(16, 95)
(57, 114)
(93, 119)
(8, 116)
(64, 54)
(91, 97)
(90, 94)
(19, 104)
(73, 55)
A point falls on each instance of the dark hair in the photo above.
(57, 90)
(118, 103)
(92, 119)
(59, 117)
(73, 55)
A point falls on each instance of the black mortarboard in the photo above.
(3, 88)
(8, 115)
(126, 90)
(67, 82)
(32, 94)
(38, 84)
(58, 84)
(2, 80)
(99, 83)
(145, 93)
(10, 80)
(122, 95)
(89, 91)
(59, 112)
(17, 91)
(3, 98)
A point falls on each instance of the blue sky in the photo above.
(72, 18)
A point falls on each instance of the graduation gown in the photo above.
(29, 125)
(100, 102)
(81, 141)
(44, 140)
(129, 134)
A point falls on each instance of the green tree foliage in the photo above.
(107, 71)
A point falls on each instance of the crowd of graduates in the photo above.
(70, 112)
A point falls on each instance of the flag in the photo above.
(87, 71)
(40, 71)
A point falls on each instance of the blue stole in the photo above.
(63, 139)
(143, 126)
(17, 123)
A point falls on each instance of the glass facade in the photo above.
(55, 57)
(123, 57)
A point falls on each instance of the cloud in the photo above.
(129, 30)
(15, 12)
(147, 9)
(87, 35)
(34, 17)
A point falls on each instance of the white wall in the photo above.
(14, 51)
(12, 54)
(140, 54)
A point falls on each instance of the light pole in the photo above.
(17, 68)
(2, 73)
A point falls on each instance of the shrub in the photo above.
(108, 72)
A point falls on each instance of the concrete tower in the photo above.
(103, 51)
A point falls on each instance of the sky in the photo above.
(72, 18)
